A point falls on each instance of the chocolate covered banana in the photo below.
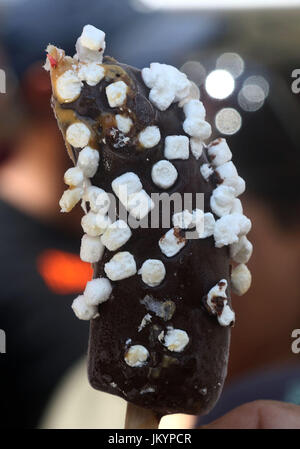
(160, 298)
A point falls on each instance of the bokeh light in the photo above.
(251, 97)
(232, 62)
(219, 84)
(260, 81)
(228, 121)
(195, 71)
(253, 93)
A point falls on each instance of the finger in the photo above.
(260, 415)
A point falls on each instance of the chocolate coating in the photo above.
(189, 381)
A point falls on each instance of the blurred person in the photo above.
(42, 337)
(265, 155)
(41, 271)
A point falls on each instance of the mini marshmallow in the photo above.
(88, 161)
(126, 185)
(78, 135)
(98, 199)
(217, 291)
(237, 206)
(206, 171)
(167, 84)
(102, 221)
(68, 87)
(86, 184)
(196, 147)
(92, 73)
(91, 249)
(229, 228)
(198, 215)
(183, 93)
(227, 317)
(198, 221)
(149, 137)
(82, 310)
(97, 291)
(139, 204)
(102, 202)
(121, 266)
(240, 279)
(194, 108)
(70, 198)
(84, 54)
(153, 272)
(219, 152)
(222, 199)
(182, 219)
(241, 251)
(229, 176)
(239, 186)
(116, 93)
(74, 177)
(176, 147)
(91, 225)
(116, 235)
(176, 340)
(218, 304)
(204, 223)
(90, 45)
(236, 182)
(124, 123)
(171, 243)
(164, 174)
(193, 94)
(209, 225)
(92, 38)
(196, 127)
(195, 124)
(90, 195)
(162, 98)
(136, 356)
(227, 170)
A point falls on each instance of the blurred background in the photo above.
(242, 56)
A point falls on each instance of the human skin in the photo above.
(260, 415)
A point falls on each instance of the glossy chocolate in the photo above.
(169, 382)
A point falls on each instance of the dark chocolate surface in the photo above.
(189, 381)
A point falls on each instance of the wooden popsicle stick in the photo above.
(141, 418)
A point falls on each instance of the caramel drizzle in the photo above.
(66, 117)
